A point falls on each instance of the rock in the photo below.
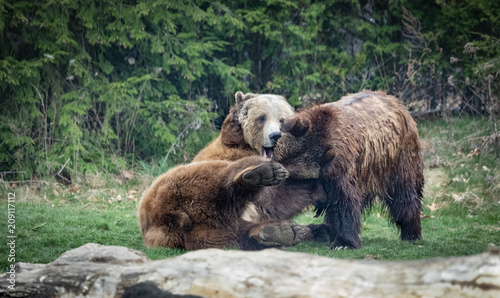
(110, 271)
(96, 253)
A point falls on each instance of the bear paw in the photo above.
(286, 233)
(267, 174)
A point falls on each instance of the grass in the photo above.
(461, 213)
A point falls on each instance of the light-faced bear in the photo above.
(364, 146)
(251, 127)
(208, 203)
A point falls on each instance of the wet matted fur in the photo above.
(363, 146)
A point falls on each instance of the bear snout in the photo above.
(274, 137)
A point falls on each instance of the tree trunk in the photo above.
(110, 271)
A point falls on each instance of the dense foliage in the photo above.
(108, 83)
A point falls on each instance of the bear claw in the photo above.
(267, 174)
(338, 245)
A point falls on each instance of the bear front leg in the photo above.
(343, 215)
(265, 174)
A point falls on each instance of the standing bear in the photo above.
(226, 197)
(363, 146)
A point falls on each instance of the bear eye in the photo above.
(282, 120)
(261, 119)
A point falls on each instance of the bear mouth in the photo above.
(268, 152)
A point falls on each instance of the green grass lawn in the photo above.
(461, 213)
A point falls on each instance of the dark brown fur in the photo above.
(363, 146)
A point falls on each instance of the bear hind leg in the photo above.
(157, 237)
(404, 204)
(282, 233)
(201, 237)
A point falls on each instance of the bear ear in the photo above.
(297, 126)
(249, 95)
(240, 97)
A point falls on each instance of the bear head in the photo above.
(260, 117)
(303, 147)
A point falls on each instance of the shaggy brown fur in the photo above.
(363, 146)
(198, 205)
(202, 205)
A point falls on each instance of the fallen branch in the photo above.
(65, 178)
(179, 136)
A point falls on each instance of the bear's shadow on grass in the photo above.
(381, 247)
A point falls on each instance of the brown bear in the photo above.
(199, 205)
(252, 127)
(363, 146)
(208, 204)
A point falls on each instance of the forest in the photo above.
(111, 85)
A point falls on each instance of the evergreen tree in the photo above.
(108, 83)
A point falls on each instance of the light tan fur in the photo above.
(217, 150)
(251, 214)
(273, 109)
